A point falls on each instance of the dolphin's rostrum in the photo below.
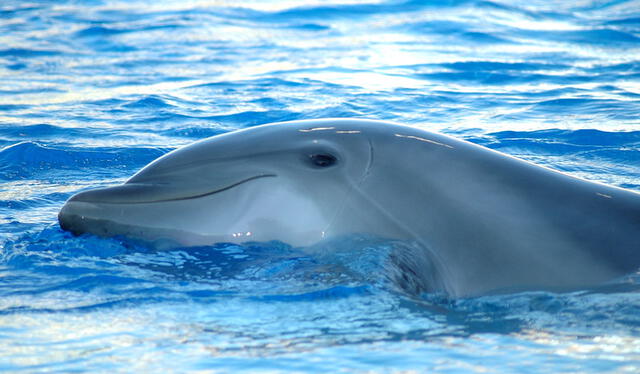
(490, 220)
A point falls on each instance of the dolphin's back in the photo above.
(499, 222)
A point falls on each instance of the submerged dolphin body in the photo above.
(489, 221)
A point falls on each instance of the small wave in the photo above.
(253, 118)
(105, 31)
(607, 308)
(148, 102)
(612, 109)
(25, 159)
(191, 132)
(98, 31)
(598, 36)
(575, 147)
(260, 83)
(337, 292)
(11, 107)
(42, 130)
(577, 137)
(310, 27)
(27, 53)
(359, 10)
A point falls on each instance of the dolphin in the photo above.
(488, 220)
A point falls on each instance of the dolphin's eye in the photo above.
(323, 160)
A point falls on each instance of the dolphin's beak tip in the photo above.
(71, 216)
(65, 217)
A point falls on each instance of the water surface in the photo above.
(92, 91)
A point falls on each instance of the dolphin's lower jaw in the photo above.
(156, 237)
(79, 224)
(73, 220)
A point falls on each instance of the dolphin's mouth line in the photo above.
(191, 197)
(142, 193)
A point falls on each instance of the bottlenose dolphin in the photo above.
(488, 220)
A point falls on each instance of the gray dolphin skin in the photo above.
(490, 221)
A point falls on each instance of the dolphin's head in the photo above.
(288, 182)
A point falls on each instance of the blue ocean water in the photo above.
(91, 91)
